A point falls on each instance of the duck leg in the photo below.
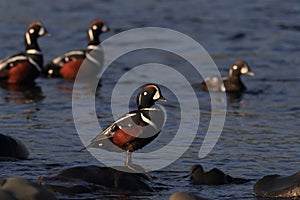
(133, 167)
(128, 162)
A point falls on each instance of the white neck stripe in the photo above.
(35, 64)
(147, 120)
(93, 60)
(33, 51)
(91, 47)
(149, 109)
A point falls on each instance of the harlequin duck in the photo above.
(232, 83)
(25, 67)
(67, 65)
(135, 129)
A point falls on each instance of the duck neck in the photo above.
(93, 37)
(235, 78)
(31, 43)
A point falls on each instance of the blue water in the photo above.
(261, 132)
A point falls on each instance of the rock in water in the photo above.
(274, 186)
(11, 148)
(84, 179)
(18, 188)
(212, 177)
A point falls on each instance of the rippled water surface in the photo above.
(261, 132)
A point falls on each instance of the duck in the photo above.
(67, 65)
(25, 67)
(135, 129)
(230, 84)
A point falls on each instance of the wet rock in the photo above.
(212, 177)
(275, 186)
(18, 188)
(11, 148)
(6, 196)
(185, 196)
(84, 179)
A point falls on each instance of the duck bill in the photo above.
(250, 73)
(105, 29)
(162, 99)
(46, 33)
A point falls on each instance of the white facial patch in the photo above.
(31, 30)
(145, 93)
(234, 67)
(42, 31)
(156, 96)
(244, 70)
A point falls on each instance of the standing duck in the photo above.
(68, 64)
(25, 67)
(232, 83)
(135, 129)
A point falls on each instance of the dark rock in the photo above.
(83, 179)
(274, 186)
(11, 148)
(6, 196)
(21, 189)
(212, 177)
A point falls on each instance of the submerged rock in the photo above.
(275, 186)
(212, 177)
(18, 188)
(185, 196)
(11, 148)
(84, 179)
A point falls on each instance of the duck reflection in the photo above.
(234, 97)
(22, 93)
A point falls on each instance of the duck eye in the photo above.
(145, 93)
